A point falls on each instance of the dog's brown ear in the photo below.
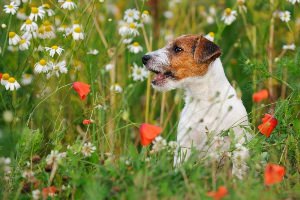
(206, 51)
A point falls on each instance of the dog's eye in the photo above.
(177, 49)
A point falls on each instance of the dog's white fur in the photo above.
(211, 107)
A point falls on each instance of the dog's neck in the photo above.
(213, 83)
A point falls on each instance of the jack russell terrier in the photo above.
(192, 63)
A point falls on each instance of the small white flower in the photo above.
(29, 35)
(210, 36)
(36, 194)
(12, 84)
(135, 48)
(88, 149)
(109, 66)
(159, 143)
(168, 14)
(48, 9)
(139, 73)
(131, 15)
(229, 16)
(294, 1)
(24, 44)
(93, 52)
(29, 26)
(26, 79)
(116, 88)
(13, 38)
(58, 68)
(285, 16)
(41, 67)
(54, 49)
(55, 157)
(21, 15)
(11, 8)
(128, 29)
(4, 79)
(291, 47)
(77, 33)
(37, 12)
(68, 5)
(127, 40)
(146, 18)
(46, 31)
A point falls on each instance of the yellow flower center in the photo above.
(34, 10)
(11, 80)
(241, 2)
(77, 29)
(68, 0)
(10, 6)
(54, 47)
(22, 41)
(211, 34)
(41, 30)
(227, 11)
(132, 25)
(46, 23)
(43, 62)
(136, 44)
(46, 5)
(28, 21)
(5, 76)
(27, 75)
(130, 14)
(48, 28)
(146, 12)
(11, 34)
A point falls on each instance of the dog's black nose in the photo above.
(145, 58)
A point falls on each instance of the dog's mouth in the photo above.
(161, 77)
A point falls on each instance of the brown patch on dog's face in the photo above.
(190, 56)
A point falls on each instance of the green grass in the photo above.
(47, 114)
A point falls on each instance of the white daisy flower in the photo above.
(88, 149)
(116, 88)
(68, 5)
(128, 29)
(37, 12)
(55, 157)
(41, 67)
(29, 35)
(13, 38)
(29, 26)
(139, 73)
(77, 33)
(26, 79)
(11, 8)
(48, 9)
(54, 49)
(12, 84)
(24, 44)
(127, 40)
(210, 36)
(21, 15)
(294, 1)
(46, 31)
(229, 16)
(146, 18)
(135, 48)
(131, 15)
(4, 79)
(291, 47)
(285, 16)
(58, 68)
(93, 52)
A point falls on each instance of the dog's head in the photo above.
(187, 56)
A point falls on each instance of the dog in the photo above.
(192, 63)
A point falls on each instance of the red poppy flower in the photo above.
(87, 122)
(268, 125)
(0, 76)
(148, 133)
(222, 192)
(273, 174)
(261, 95)
(82, 89)
(49, 191)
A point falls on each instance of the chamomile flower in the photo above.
(146, 18)
(285, 16)
(24, 44)
(168, 14)
(26, 79)
(46, 31)
(58, 68)
(68, 5)
(135, 48)
(12, 84)
(29, 26)
(131, 15)
(109, 66)
(210, 36)
(55, 157)
(116, 88)
(48, 9)
(11, 8)
(128, 29)
(139, 73)
(21, 14)
(294, 1)
(4, 79)
(93, 52)
(37, 12)
(54, 50)
(241, 5)
(229, 16)
(13, 38)
(291, 47)
(77, 33)
(41, 67)
(127, 40)
(88, 149)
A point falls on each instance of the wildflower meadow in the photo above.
(80, 120)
